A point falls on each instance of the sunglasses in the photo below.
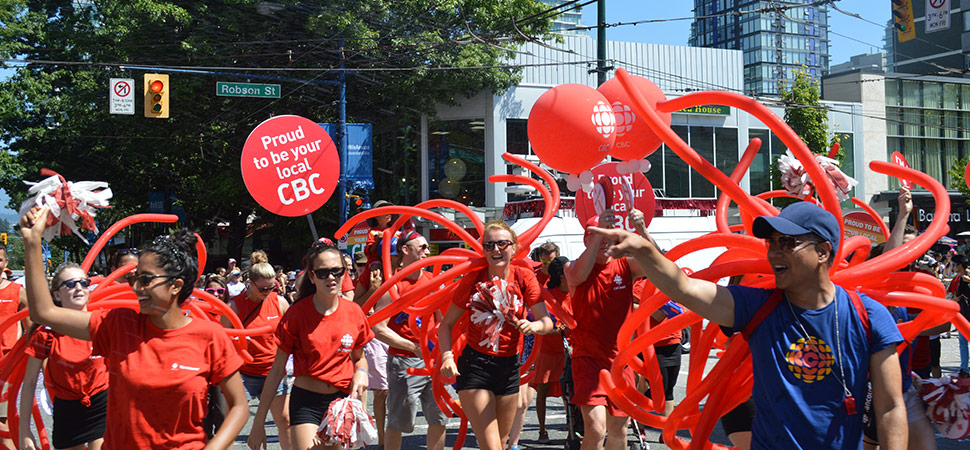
(788, 244)
(424, 247)
(264, 289)
(145, 278)
(218, 292)
(84, 282)
(324, 272)
(502, 245)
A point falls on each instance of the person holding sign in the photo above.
(326, 336)
(160, 362)
(259, 306)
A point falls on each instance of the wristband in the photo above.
(361, 369)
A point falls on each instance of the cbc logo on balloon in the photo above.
(624, 118)
(603, 119)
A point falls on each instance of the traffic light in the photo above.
(3, 237)
(903, 20)
(355, 199)
(156, 95)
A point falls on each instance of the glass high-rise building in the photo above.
(563, 23)
(775, 42)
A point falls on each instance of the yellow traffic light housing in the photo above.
(156, 95)
(903, 20)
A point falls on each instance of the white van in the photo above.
(668, 231)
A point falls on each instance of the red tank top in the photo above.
(263, 346)
(9, 302)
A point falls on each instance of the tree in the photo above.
(52, 109)
(808, 118)
(957, 180)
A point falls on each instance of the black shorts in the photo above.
(310, 407)
(668, 357)
(498, 374)
(935, 350)
(739, 419)
(76, 424)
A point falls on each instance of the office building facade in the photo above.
(775, 43)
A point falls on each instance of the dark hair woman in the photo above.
(160, 362)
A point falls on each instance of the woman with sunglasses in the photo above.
(326, 336)
(488, 369)
(121, 258)
(77, 381)
(160, 362)
(259, 306)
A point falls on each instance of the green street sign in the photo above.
(228, 89)
(717, 110)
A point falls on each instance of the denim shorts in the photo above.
(254, 386)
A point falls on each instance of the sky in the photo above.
(676, 32)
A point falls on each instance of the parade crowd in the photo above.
(160, 378)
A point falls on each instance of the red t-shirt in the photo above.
(400, 323)
(542, 278)
(522, 282)
(71, 372)
(670, 339)
(159, 378)
(346, 284)
(322, 345)
(600, 305)
(263, 346)
(9, 303)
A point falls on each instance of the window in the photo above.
(702, 141)
(677, 178)
(465, 140)
(760, 173)
(892, 92)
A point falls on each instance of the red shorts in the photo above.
(587, 388)
(548, 369)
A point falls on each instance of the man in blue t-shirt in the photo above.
(811, 354)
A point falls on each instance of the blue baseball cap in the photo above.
(800, 218)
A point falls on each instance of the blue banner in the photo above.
(358, 169)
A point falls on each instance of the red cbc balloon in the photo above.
(900, 160)
(290, 165)
(643, 198)
(571, 128)
(634, 138)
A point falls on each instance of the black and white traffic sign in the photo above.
(121, 92)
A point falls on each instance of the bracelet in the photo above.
(447, 355)
(361, 369)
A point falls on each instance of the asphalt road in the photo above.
(556, 420)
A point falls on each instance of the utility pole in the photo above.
(601, 42)
(342, 136)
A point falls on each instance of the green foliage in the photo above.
(808, 118)
(957, 181)
(804, 112)
(55, 115)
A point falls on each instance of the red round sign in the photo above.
(290, 165)
(643, 198)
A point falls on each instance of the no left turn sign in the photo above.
(121, 96)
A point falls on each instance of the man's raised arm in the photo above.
(703, 297)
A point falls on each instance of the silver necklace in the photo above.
(849, 400)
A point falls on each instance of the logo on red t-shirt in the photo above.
(346, 342)
(618, 281)
(177, 366)
(810, 359)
